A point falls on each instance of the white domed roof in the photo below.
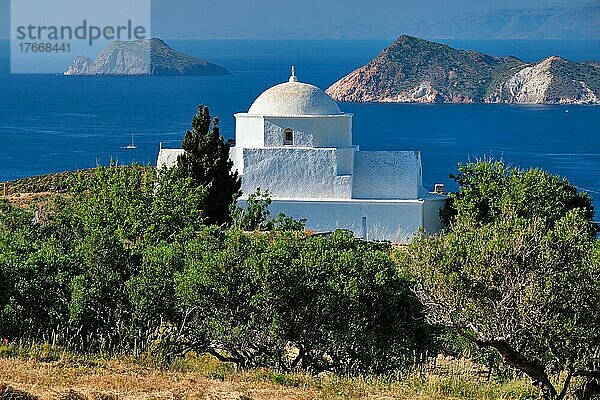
(294, 98)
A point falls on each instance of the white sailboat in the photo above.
(131, 145)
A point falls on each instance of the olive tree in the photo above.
(516, 271)
(490, 190)
(255, 216)
(531, 294)
(35, 267)
(337, 303)
(122, 218)
(96, 264)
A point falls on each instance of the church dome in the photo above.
(294, 98)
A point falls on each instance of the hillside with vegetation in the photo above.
(413, 70)
(127, 271)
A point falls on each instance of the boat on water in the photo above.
(131, 145)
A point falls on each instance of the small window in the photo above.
(288, 139)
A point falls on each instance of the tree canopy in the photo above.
(338, 301)
(490, 190)
(66, 262)
(516, 271)
(206, 161)
(125, 262)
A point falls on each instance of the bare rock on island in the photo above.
(143, 57)
(413, 70)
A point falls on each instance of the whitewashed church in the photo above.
(295, 142)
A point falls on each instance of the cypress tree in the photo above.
(206, 161)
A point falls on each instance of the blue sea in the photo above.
(51, 123)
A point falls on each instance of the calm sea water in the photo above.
(51, 123)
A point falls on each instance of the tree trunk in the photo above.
(490, 367)
(513, 358)
(533, 369)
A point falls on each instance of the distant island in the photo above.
(414, 70)
(569, 21)
(143, 57)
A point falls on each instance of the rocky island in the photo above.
(414, 70)
(143, 57)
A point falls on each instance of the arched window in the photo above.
(288, 137)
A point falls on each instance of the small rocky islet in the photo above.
(143, 57)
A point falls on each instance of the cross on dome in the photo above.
(293, 78)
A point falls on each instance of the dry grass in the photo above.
(203, 378)
(27, 199)
(120, 380)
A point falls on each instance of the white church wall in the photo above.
(343, 187)
(387, 175)
(310, 131)
(396, 221)
(334, 131)
(275, 128)
(431, 213)
(236, 154)
(294, 173)
(249, 131)
(345, 161)
(168, 157)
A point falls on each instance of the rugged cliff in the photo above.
(143, 57)
(553, 80)
(418, 71)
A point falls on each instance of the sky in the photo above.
(201, 19)
(256, 17)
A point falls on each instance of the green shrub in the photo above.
(338, 301)
(516, 272)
